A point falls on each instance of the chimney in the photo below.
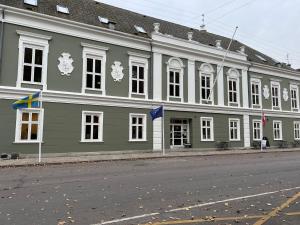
(218, 44)
(156, 27)
(190, 35)
(111, 25)
(202, 27)
(242, 49)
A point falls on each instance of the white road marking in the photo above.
(196, 206)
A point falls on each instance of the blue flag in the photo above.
(157, 113)
(31, 101)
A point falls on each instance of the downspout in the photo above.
(1, 42)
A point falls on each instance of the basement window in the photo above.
(31, 2)
(103, 20)
(62, 9)
(140, 29)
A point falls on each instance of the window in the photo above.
(232, 91)
(234, 129)
(175, 79)
(140, 29)
(297, 130)
(94, 60)
(277, 130)
(28, 125)
(275, 92)
(207, 130)
(294, 97)
(92, 126)
(138, 75)
(62, 9)
(256, 92)
(31, 2)
(137, 127)
(206, 83)
(257, 135)
(103, 20)
(33, 58)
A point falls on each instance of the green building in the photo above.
(102, 69)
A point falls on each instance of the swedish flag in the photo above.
(31, 101)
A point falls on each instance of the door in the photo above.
(179, 133)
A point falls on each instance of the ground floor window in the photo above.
(92, 126)
(28, 125)
(257, 130)
(234, 129)
(137, 127)
(277, 130)
(207, 131)
(297, 130)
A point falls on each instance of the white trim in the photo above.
(211, 119)
(138, 55)
(191, 82)
(89, 51)
(33, 35)
(83, 126)
(206, 70)
(298, 130)
(172, 67)
(256, 82)
(157, 76)
(238, 129)
(260, 129)
(40, 124)
(276, 84)
(140, 62)
(144, 117)
(280, 130)
(246, 126)
(294, 87)
(245, 89)
(32, 41)
(94, 47)
(220, 83)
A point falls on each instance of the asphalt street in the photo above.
(234, 189)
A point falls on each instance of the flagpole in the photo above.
(163, 130)
(41, 127)
(262, 129)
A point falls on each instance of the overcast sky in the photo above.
(270, 26)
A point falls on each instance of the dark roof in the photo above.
(87, 11)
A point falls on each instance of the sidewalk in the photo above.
(81, 157)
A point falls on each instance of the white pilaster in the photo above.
(220, 85)
(245, 89)
(246, 121)
(157, 134)
(157, 76)
(191, 81)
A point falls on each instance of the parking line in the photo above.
(274, 212)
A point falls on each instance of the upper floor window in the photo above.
(137, 127)
(206, 83)
(33, 58)
(207, 128)
(234, 129)
(92, 126)
(233, 87)
(138, 75)
(294, 97)
(275, 94)
(94, 63)
(297, 130)
(256, 92)
(257, 134)
(277, 130)
(28, 125)
(175, 79)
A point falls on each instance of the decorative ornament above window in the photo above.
(285, 94)
(117, 71)
(65, 64)
(266, 92)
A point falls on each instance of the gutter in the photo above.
(1, 41)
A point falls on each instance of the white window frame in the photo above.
(276, 84)
(206, 70)
(37, 41)
(40, 124)
(83, 126)
(297, 129)
(254, 130)
(238, 128)
(295, 88)
(255, 81)
(280, 130)
(94, 52)
(139, 115)
(211, 119)
(233, 75)
(140, 61)
(176, 65)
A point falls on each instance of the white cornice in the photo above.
(138, 55)
(97, 47)
(13, 93)
(34, 35)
